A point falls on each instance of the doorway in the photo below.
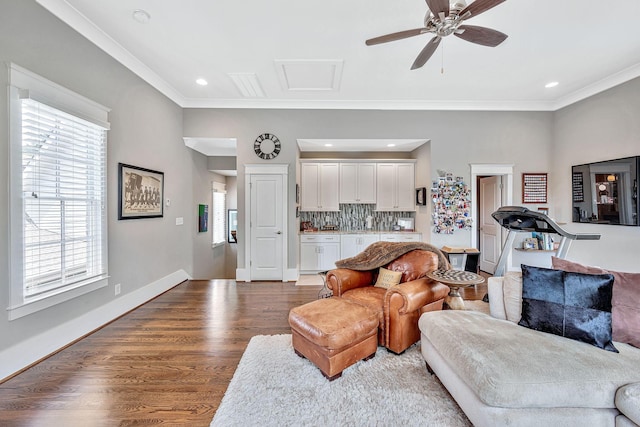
(484, 200)
(490, 232)
(266, 222)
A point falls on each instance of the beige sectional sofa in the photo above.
(503, 374)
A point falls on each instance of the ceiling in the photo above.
(299, 54)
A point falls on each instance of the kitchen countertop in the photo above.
(357, 232)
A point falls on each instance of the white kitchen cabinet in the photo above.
(401, 237)
(319, 186)
(395, 187)
(319, 252)
(353, 244)
(357, 182)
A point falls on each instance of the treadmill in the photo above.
(520, 219)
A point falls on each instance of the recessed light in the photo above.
(328, 145)
(551, 84)
(391, 145)
(202, 82)
(141, 16)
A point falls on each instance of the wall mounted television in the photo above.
(606, 192)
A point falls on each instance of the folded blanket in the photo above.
(379, 254)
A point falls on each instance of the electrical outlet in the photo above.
(118, 289)
(179, 220)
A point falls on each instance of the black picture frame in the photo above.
(140, 192)
(421, 196)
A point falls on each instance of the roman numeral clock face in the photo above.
(267, 146)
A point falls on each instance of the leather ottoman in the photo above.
(334, 334)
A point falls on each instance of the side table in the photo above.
(455, 279)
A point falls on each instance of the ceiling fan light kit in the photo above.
(443, 19)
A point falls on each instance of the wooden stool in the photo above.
(334, 334)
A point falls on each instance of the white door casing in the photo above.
(490, 230)
(266, 222)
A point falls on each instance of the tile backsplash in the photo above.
(353, 217)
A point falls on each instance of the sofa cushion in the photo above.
(509, 366)
(370, 297)
(572, 305)
(387, 278)
(628, 401)
(625, 301)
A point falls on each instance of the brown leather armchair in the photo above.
(400, 306)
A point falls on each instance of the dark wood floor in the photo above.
(168, 362)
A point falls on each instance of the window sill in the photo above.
(50, 300)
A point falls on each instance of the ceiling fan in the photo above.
(443, 20)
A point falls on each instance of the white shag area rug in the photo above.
(273, 386)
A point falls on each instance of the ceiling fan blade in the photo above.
(395, 36)
(478, 7)
(438, 6)
(426, 53)
(481, 35)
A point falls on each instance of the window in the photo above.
(58, 198)
(219, 213)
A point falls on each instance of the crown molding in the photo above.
(80, 23)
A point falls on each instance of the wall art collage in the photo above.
(451, 204)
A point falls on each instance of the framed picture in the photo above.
(203, 218)
(140, 192)
(232, 225)
(421, 196)
(534, 188)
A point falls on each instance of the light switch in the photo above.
(179, 221)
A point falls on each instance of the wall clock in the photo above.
(267, 146)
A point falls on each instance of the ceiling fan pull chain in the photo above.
(442, 58)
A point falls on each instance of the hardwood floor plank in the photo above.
(168, 362)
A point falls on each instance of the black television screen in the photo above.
(606, 192)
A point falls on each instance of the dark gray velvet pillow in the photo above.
(572, 305)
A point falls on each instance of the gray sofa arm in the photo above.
(628, 401)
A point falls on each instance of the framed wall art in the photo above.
(421, 196)
(534, 188)
(140, 192)
(203, 218)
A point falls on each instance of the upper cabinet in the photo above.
(357, 182)
(319, 184)
(395, 187)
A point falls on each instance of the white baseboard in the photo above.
(23, 354)
(244, 275)
(291, 275)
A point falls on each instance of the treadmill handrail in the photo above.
(521, 219)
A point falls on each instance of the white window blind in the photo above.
(64, 196)
(219, 208)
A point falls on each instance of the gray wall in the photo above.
(603, 127)
(146, 130)
(457, 139)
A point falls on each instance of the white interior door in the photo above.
(267, 227)
(490, 230)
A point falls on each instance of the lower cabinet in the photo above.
(319, 252)
(401, 237)
(353, 244)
